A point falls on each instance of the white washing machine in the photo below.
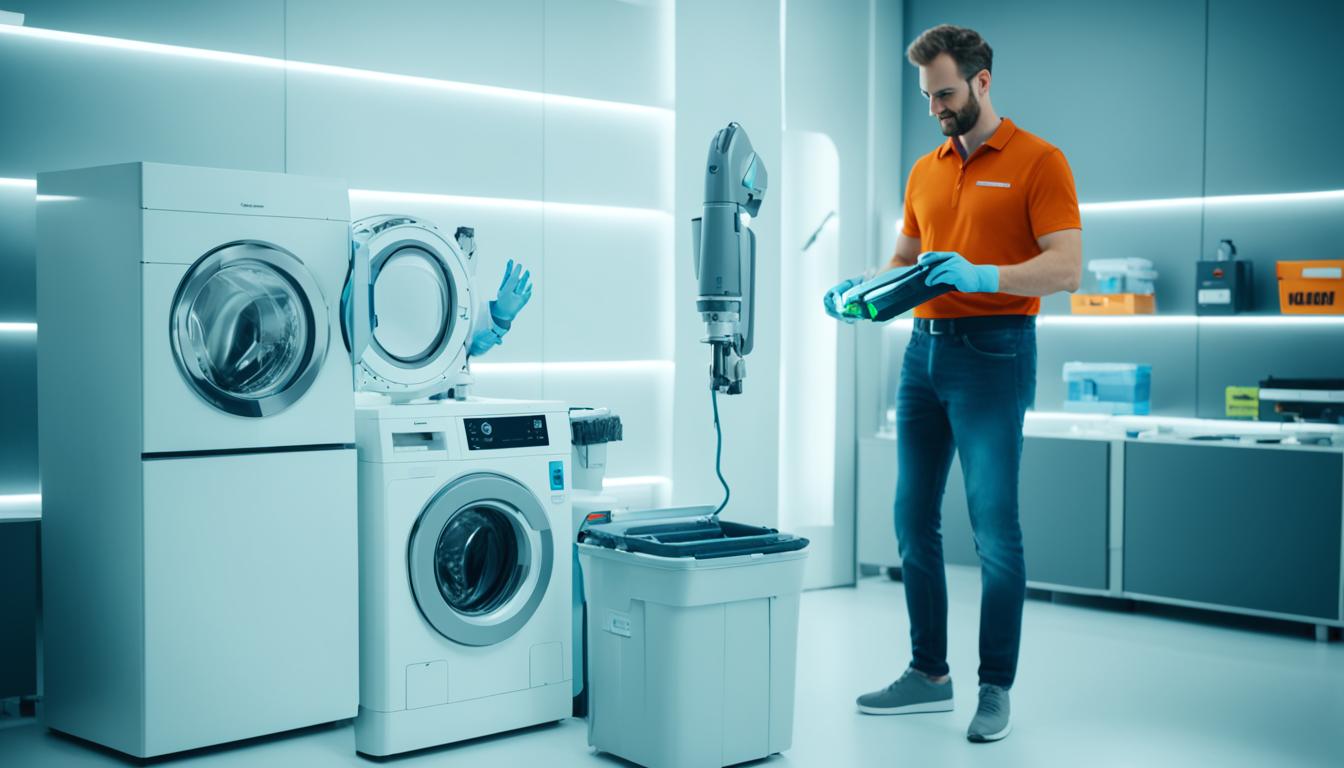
(465, 539)
(197, 452)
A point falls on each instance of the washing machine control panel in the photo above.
(500, 432)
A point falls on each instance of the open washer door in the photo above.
(407, 308)
(480, 558)
(249, 328)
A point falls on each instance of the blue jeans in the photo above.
(968, 393)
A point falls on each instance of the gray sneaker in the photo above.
(991, 717)
(913, 693)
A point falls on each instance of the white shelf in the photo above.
(1066, 424)
(1066, 321)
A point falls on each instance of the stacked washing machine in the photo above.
(464, 511)
(211, 532)
(197, 453)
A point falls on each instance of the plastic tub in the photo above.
(692, 639)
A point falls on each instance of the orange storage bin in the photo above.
(1113, 304)
(1311, 287)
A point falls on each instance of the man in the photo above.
(994, 210)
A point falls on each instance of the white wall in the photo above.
(833, 97)
(597, 151)
(616, 152)
(805, 69)
(728, 70)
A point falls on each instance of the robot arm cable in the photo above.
(718, 449)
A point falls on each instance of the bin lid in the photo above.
(694, 532)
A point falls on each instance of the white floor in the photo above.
(1097, 687)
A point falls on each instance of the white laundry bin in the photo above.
(692, 638)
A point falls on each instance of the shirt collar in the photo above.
(996, 142)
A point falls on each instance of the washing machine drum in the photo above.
(480, 559)
(409, 326)
(249, 328)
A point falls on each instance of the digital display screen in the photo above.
(502, 432)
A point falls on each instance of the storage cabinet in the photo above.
(18, 608)
(1063, 500)
(1063, 503)
(1236, 527)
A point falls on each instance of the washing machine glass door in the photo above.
(249, 328)
(480, 559)
(413, 305)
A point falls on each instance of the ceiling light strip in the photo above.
(504, 202)
(590, 366)
(635, 481)
(352, 73)
(460, 200)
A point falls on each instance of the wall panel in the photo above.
(497, 43)
(241, 26)
(1118, 87)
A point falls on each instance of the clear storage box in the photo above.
(1114, 388)
(1131, 275)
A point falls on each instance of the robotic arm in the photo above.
(725, 254)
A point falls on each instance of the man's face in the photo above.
(952, 100)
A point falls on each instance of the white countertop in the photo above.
(1175, 430)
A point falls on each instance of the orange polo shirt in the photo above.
(990, 208)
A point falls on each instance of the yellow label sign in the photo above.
(1243, 402)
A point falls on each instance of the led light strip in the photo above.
(1213, 201)
(514, 203)
(1087, 320)
(353, 73)
(592, 366)
(33, 501)
(547, 206)
(1128, 420)
(1066, 321)
(635, 481)
(18, 327)
(1166, 320)
(21, 499)
(1271, 320)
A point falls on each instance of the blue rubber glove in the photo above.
(514, 292)
(831, 301)
(953, 269)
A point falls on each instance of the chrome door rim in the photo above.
(290, 268)
(505, 495)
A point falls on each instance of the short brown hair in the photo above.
(966, 47)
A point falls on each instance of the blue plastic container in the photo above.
(1113, 388)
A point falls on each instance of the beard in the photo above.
(963, 119)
